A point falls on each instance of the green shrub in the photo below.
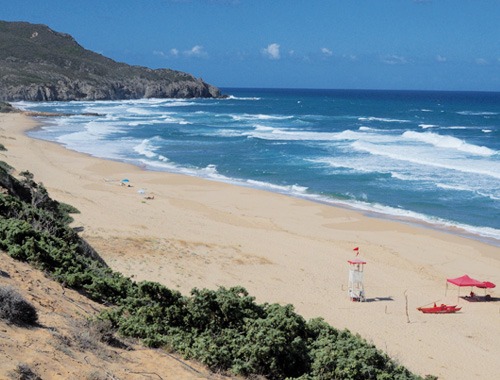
(275, 345)
(5, 166)
(220, 309)
(64, 210)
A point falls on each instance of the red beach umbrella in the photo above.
(488, 285)
(465, 280)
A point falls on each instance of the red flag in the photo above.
(357, 250)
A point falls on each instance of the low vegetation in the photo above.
(15, 309)
(225, 329)
(24, 372)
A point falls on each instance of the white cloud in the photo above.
(440, 58)
(196, 51)
(272, 51)
(481, 61)
(394, 60)
(171, 53)
(327, 52)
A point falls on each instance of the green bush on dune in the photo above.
(224, 329)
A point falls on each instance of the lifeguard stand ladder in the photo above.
(356, 288)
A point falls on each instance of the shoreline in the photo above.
(200, 233)
(410, 218)
(442, 227)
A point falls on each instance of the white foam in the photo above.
(179, 103)
(146, 148)
(290, 189)
(264, 128)
(252, 117)
(461, 186)
(427, 126)
(173, 120)
(476, 113)
(80, 142)
(210, 170)
(139, 111)
(230, 133)
(448, 142)
(428, 158)
(271, 133)
(451, 187)
(383, 119)
(405, 177)
(106, 109)
(232, 97)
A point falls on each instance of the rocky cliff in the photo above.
(37, 64)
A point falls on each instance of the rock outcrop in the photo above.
(39, 64)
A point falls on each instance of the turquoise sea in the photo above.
(416, 156)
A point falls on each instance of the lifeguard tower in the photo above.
(356, 288)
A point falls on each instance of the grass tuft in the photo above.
(24, 372)
(15, 309)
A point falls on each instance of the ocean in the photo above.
(430, 158)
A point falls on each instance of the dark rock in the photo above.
(7, 108)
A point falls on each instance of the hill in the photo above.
(66, 345)
(39, 64)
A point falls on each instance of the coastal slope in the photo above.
(64, 345)
(40, 64)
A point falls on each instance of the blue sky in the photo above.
(339, 44)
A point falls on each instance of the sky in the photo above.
(451, 45)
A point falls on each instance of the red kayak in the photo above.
(439, 309)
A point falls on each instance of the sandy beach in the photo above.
(205, 234)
